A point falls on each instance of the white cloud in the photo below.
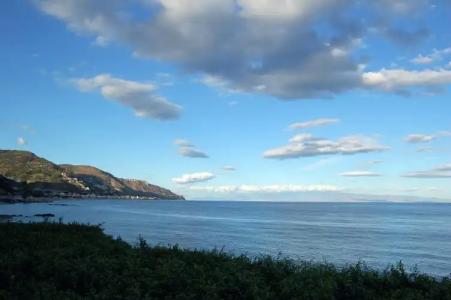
(443, 171)
(436, 55)
(255, 46)
(282, 11)
(444, 168)
(305, 145)
(229, 168)
(183, 143)
(306, 193)
(21, 141)
(419, 138)
(185, 148)
(217, 82)
(273, 188)
(337, 52)
(303, 137)
(360, 174)
(139, 96)
(277, 38)
(194, 177)
(422, 60)
(313, 123)
(426, 138)
(399, 80)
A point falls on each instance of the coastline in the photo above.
(21, 199)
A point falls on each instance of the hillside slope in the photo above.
(23, 166)
(23, 174)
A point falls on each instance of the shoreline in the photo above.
(50, 199)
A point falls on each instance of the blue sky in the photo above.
(199, 97)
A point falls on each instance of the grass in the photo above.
(57, 261)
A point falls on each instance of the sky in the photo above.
(326, 100)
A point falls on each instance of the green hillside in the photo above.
(23, 174)
(26, 167)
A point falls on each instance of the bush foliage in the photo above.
(57, 261)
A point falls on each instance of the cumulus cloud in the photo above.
(425, 138)
(436, 55)
(422, 60)
(360, 174)
(306, 145)
(141, 97)
(401, 81)
(273, 188)
(193, 178)
(443, 171)
(185, 148)
(314, 123)
(269, 47)
(21, 141)
(253, 46)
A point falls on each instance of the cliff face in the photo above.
(23, 174)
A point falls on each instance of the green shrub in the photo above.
(57, 261)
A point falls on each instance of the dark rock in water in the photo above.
(45, 215)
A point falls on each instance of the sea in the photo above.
(378, 234)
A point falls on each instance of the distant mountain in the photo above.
(25, 175)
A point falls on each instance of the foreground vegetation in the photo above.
(57, 261)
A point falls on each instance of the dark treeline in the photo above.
(57, 261)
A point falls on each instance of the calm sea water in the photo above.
(377, 233)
